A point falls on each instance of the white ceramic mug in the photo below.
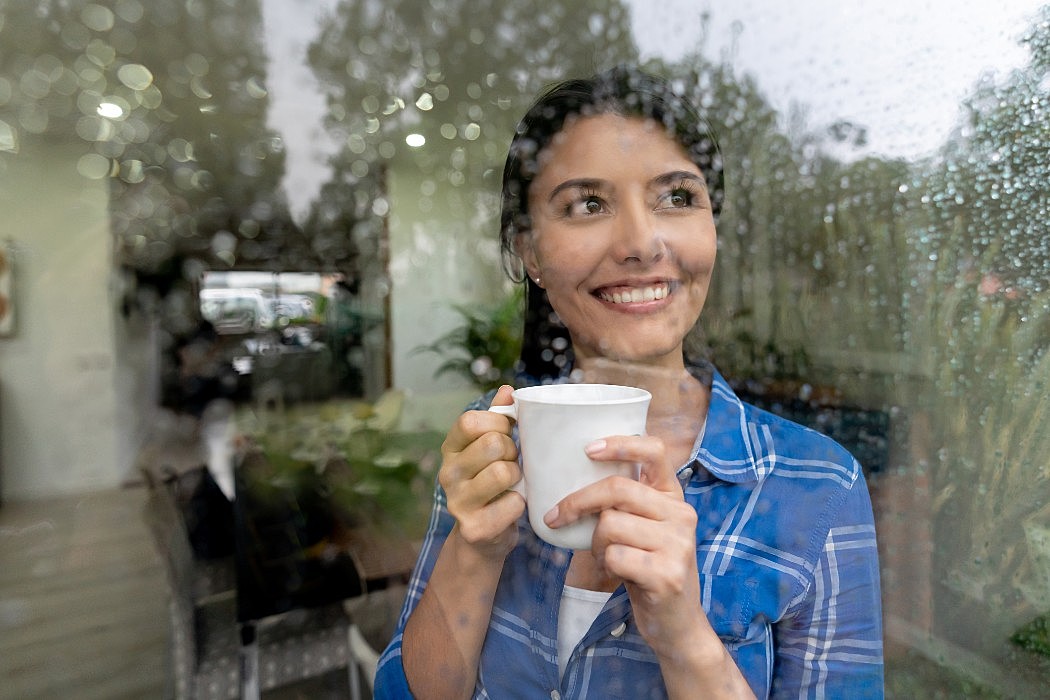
(555, 423)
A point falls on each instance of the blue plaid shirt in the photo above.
(788, 567)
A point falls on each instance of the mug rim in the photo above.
(534, 394)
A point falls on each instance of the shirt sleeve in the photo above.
(830, 642)
(390, 681)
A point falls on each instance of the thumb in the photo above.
(503, 396)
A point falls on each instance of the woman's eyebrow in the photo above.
(581, 183)
(677, 176)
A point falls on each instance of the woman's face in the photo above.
(623, 238)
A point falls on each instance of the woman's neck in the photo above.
(680, 400)
(673, 387)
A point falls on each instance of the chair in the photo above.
(210, 575)
(366, 656)
(214, 655)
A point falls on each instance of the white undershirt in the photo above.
(578, 610)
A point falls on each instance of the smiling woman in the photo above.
(741, 562)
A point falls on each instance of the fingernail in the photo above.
(594, 447)
(551, 516)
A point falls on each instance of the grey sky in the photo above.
(899, 67)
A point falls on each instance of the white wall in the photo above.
(444, 251)
(60, 415)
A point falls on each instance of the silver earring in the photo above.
(537, 281)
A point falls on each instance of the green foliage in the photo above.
(472, 63)
(484, 348)
(1034, 636)
(995, 175)
(348, 454)
(981, 319)
(988, 417)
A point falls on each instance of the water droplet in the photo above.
(94, 166)
(135, 75)
(97, 18)
(425, 102)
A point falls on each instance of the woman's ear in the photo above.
(526, 251)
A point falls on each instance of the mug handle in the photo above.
(511, 412)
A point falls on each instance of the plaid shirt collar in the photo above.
(728, 433)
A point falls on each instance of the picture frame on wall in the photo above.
(7, 308)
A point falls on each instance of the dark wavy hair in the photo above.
(626, 91)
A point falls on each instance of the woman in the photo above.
(743, 561)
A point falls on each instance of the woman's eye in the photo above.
(586, 206)
(680, 197)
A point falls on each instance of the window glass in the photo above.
(316, 184)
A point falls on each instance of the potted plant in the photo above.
(484, 347)
(349, 455)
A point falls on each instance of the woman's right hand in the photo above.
(444, 635)
(479, 467)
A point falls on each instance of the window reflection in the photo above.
(899, 303)
(294, 335)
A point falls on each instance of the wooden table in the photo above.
(380, 556)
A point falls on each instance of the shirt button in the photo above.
(620, 629)
(555, 695)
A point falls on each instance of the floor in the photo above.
(83, 603)
(82, 599)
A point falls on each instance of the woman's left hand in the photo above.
(646, 535)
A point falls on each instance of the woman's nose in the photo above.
(638, 237)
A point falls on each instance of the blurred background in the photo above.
(292, 204)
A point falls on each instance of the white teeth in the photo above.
(635, 295)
